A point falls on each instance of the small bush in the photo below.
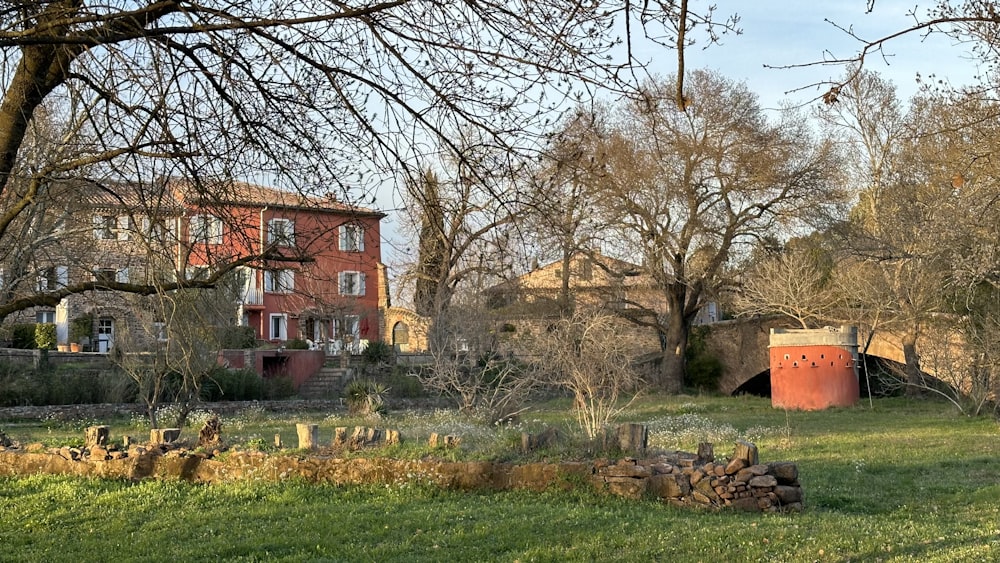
(296, 344)
(365, 397)
(277, 388)
(22, 336)
(406, 385)
(45, 336)
(702, 369)
(238, 338)
(377, 353)
(233, 385)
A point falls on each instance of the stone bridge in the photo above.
(742, 346)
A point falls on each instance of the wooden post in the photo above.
(307, 435)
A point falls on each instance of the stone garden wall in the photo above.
(678, 478)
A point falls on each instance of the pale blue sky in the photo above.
(789, 32)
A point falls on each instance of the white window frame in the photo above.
(282, 326)
(351, 237)
(351, 283)
(105, 226)
(45, 317)
(279, 281)
(52, 278)
(123, 228)
(205, 229)
(281, 231)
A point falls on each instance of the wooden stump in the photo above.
(97, 435)
(211, 433)
(308, 434)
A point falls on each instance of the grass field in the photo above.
(902, 481)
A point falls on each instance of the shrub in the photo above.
(377, 353)
(45, 336)
(365, 397)
(232, 385)
(81, 327)
(702, 369)
(22, 336)
(406, 385)
(276, 388)
(296, 344)
(238, 338)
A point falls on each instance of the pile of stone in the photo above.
(741, 482)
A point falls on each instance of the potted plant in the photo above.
(80, 330)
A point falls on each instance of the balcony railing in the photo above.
(252, 296)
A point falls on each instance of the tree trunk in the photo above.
(914, 377)
(674, 336)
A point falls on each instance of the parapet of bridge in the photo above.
(814, 369)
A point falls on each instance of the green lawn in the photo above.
(903, 481)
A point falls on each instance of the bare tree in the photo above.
(470, 368)
(583, 355)
(318, 96)
(170, 345)
(791, 283)
(687, 193)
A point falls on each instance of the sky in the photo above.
(793, 32)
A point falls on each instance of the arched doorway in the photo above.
(401, 337)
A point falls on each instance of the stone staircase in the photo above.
(327, 383)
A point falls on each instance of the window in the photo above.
(105, 275)
(352, 283)
(124, 224)
(104, 227)
(155, 229)
(279, 281)
(197, 273)
(206, 229)
(281, 232)
(53, 278)
(279, 326)
(352, 238)
(160, 331)
(45, 317)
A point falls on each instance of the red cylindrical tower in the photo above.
(813, 369)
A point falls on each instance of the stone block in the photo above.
(339, 436)
(788, 494)
(668, 486)
(747, 452)
(735, 465)
(763, 481)
(785, 471)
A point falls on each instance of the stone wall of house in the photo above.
(678, 478)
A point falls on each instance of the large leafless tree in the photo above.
(318, 95)
(685, 192)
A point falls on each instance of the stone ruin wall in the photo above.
(682, 479)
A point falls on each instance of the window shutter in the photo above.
(98, 227)
(340, 282)
(123, 224)
(62, 275)
(361, 284)
(121, 276)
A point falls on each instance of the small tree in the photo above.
(469, 368)
(584, 355)
(170, 346)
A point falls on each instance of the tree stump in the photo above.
(211, 433)
(747, 452)
(97, 435)
(706, 452)
(308, 434)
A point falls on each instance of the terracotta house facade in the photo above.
(309, 266)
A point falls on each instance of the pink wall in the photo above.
(300, 365)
